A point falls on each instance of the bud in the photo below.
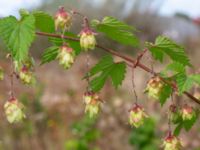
(14, 110)
(87, 39)
(1, 73)
(92, 102)
(137, 116)
(26, 76)
(66, 56)
(171, 142)
(154, 87)
(63, 19)
(187, 112)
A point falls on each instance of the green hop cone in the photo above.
(171, 142)
(26, 76)
(154, 87)
(137, 116)
(1, 74)
(66, 56)
(87, 39)
(92, 102)
(174, 113)
(188, 112)
(14, 110)
(63, 20)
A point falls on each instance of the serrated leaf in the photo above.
(170, 48)
(185, 82)
(49, 54)
(18, 35)
(118, 73)
(116, 30)
(105, 69)
(44, 22)
(165, 94)
(74, 44)
(187, 124)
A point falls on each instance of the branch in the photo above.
(126, 58)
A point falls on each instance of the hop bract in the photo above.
(171, 142)
(137, 116)
(174, 113)
(63, 20)
(87, 39)
(66, 56)
(26, 76)
(14, 110)
(154, 87)
(187, 112)
(1, 73)
(92, 102)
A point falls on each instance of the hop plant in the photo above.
(26, 76)
(87, 39)
(197, 95)
(137, 116)
(66, 56)
(171, 142)
(63, 20)
(14, 110)
(154, 87)
(1, 73)
(92, 102)
(188, 112)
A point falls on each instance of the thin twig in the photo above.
(126, 58)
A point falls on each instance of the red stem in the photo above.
(126, 58)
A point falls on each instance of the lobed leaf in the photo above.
(116, 30)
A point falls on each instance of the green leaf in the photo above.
(105, 69)
(49, 54)
(178, 129)
(164, 45)
(116, 30)
(44, 22)
(74, 44)
(165, 94)
(187, 124)
(18, 35)
(185, 82)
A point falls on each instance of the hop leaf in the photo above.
(18, 35)
(164, 45)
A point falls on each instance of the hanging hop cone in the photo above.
(154, 87)
(92, 102)
(26, 76)
(174, 113)
(171, 142)
(87, 39)
(14, 110)
(137, 116)
(187, 112)
(66, 56)
(63, 19)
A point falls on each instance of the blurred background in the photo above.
(55, 110)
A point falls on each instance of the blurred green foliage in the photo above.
(85, 135)
(144, 137)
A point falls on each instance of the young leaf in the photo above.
(105, 69)
(164, 45)
(44, 22)
(49, 54)
(116, 30)
(18, 35)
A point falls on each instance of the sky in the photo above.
(190, 7)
